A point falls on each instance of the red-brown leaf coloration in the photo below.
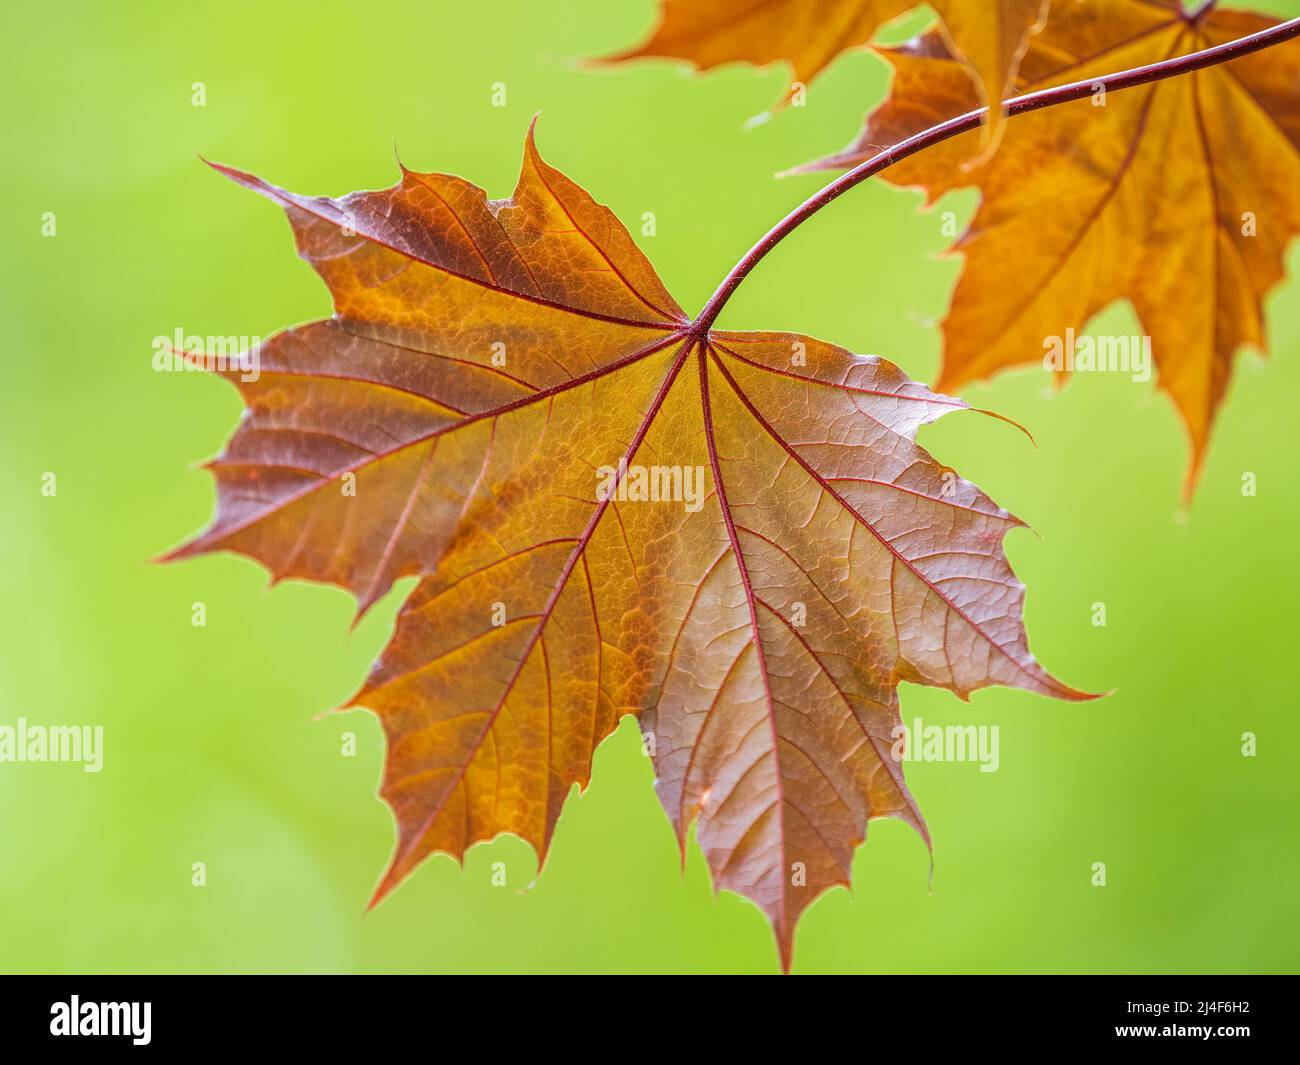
(1180, 196)
(611, 510)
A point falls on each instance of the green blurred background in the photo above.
(212, 749)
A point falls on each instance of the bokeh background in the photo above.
(213, 750)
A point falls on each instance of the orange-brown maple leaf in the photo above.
(731, 535)
(1180, 196)
(990, 35)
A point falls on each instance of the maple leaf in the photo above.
(1180, 196)
(990, 35)
(611, 511)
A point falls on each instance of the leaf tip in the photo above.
(330, 711)
(188, 549)
(239, 177)
(167, 556)
(1075, 695)
(784, 947)
(1010, 421)
(795, 171)
(381, 892)
(1191, 479)
(397, 156)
